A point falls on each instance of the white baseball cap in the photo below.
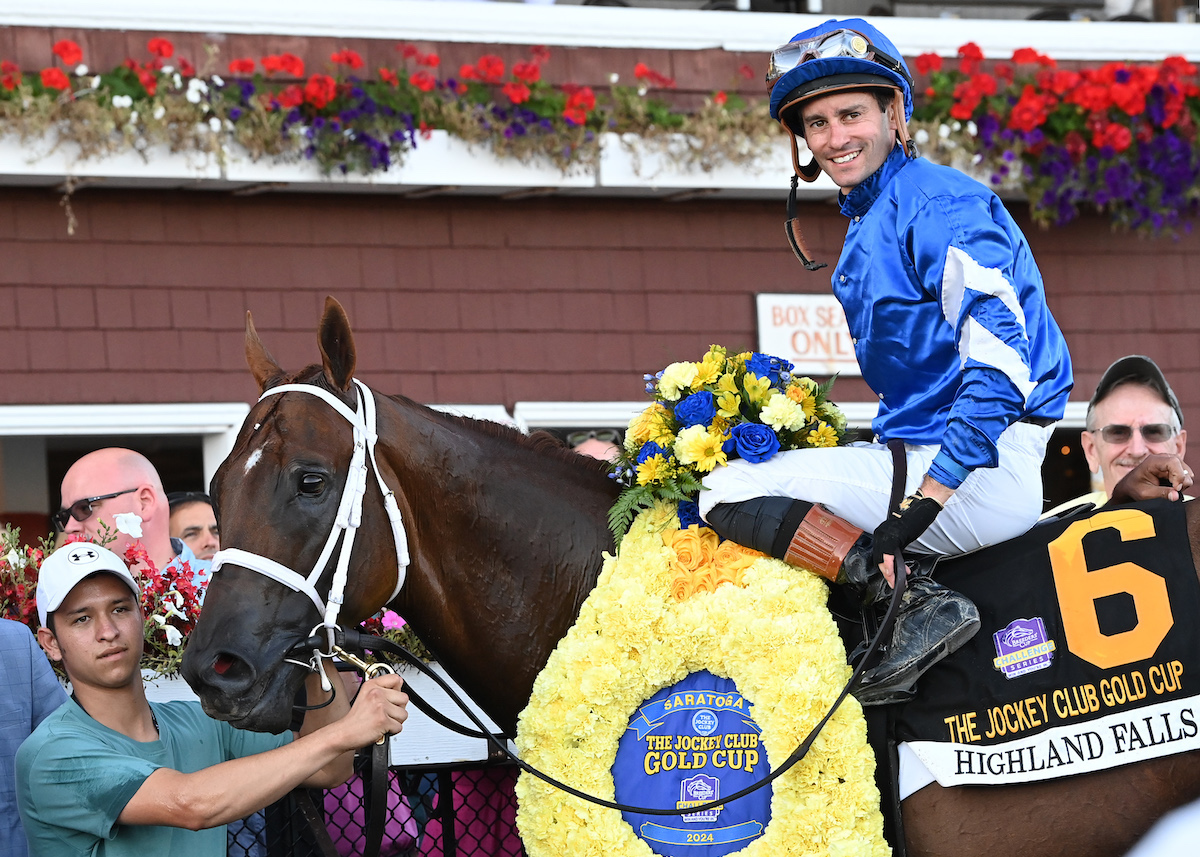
(68, 565)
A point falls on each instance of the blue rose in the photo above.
(766, 366)
(755, 442)
(649, 450)
(689, 513)
(697, 409)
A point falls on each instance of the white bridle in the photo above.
(346, 523)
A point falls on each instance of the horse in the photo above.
(505, 537)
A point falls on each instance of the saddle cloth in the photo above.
(1088, 655)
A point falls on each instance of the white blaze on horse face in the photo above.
(253, 460)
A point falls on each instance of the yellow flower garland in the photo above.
(770, 633)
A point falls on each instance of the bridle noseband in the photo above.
(345, 525)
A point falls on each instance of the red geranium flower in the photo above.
(1112, 134)
(429, 60)
(291, 96)
(720, 98)
(468, 72)
(423, 81)
(746, 72)
(389, 76)
(186, 68)
(407, 51)
(67, 51)
(518, 93)
(348, 57)
(10, 75)
(242, 66)
(288, 63)
(580, 99)
(1031, 111)
(490, 68)
(54, 78)
(320, 90)
(972, 56)
(1179, 66)
(928, 62)
(1075, 145)
(147, 76)
(540, 53)
(527, 72)
(1028, 56)
(648, 75)
(160, 47)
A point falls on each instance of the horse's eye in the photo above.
(312, 484)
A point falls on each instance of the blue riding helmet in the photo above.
(810, 64)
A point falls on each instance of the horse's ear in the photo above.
(337, 345)
(262, 365)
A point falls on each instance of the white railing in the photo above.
(441, 164)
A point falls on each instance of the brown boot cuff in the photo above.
(821, 543)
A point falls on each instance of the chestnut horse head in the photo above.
(502, 536)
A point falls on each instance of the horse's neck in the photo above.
(506, 542)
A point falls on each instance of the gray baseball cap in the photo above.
(1139, 369)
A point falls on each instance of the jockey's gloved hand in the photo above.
(904, 526)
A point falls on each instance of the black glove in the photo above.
(904, 526)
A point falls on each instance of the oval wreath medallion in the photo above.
(670, 604)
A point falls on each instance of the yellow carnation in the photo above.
(675, 379)
(833, 415)
(806, 400)
(698, 446)
(782, 413)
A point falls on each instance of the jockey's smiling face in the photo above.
(849, 135)
(1135, 406)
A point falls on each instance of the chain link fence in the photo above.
(460, 811)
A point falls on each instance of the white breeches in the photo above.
(854, 482)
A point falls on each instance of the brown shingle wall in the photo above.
(474, 299)
(698, 71)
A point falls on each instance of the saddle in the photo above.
(1086, 658)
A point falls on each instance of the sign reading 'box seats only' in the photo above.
(808, 330)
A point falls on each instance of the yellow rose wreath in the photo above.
(669, 604)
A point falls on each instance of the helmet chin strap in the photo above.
(791, 226)
(910, 148)
(812, 169)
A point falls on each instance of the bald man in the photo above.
(111, 482)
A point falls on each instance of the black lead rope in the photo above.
(354, 640)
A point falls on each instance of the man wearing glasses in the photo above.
(116, 482)
(951, 329)
(1133, 414)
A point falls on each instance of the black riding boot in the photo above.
(932, 622)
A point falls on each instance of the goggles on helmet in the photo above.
(839, 43)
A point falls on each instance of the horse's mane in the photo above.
(540, 442)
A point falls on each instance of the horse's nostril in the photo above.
(223, 662)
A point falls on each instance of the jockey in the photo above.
(948, 316)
